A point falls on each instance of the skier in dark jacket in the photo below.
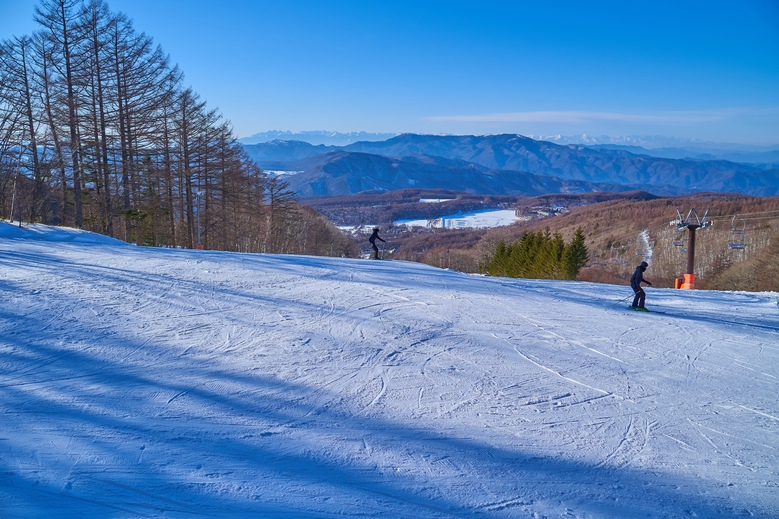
(375, 236)
(635, 283)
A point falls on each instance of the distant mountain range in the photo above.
(343, 172)
(766, 159)
(316, 137)
(652, 145)
(500, 164)
(672, 147)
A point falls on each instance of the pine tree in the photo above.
(540, 255)
(498, 265)
(576, 255)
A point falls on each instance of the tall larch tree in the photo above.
(59, 18)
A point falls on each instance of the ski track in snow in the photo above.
(168, 383)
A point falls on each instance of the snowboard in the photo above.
(636, 309)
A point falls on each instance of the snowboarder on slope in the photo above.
(375, 236)
(635, 283)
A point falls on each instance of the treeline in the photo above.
(98, 131)
(540, 255)
(612, 228)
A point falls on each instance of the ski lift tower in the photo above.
(692, 223)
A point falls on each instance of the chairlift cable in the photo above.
(760, 218)
(728, 216)
(758, 212)
(653, 228)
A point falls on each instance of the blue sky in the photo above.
(700, 70)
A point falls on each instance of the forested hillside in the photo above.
(574, 162)
(614, 232)
(99, 131)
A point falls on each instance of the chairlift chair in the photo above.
(678, 238)
(736, 236)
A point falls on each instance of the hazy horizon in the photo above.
(647, 141)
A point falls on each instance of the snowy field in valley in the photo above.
(472, 220)
(140, 382)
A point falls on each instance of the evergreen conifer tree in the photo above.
(540, 255)
(576, 255)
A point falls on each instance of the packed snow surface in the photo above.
(140, 382)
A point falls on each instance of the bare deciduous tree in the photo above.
(137, 155)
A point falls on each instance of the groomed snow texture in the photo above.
(138, 382)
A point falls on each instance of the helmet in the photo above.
(644, 264)
(375, 229)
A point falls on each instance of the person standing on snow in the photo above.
(375, 236)
(635, 283)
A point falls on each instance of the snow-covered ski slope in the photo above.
(139, 382)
